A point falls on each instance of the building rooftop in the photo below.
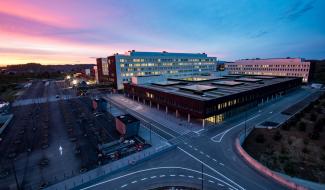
(127, 119)
(166, 54)
(215, 88)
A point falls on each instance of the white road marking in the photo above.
(213, 170)
(181, 175)
(190, 146)
(207, 156)
(214, 159)
(124, 185)
(218, 138)
(153, 177)
(201, 152)
(222, 164)
(198, 131)
(190, 176)
(159, 168)
(211, 181)
(199, 178)
(195, 149)
(220, 184)
(162, 175)
(172, 175)
(134, 181)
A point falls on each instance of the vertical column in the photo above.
(158, 106)
(188, 118)
(138, 99)
(203, 123)
(166, 110)
(176, 113)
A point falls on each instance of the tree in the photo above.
(302, 126)
(277, 136)
(260, 138)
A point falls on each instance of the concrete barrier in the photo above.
(264, 170)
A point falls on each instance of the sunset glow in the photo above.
(69, 32)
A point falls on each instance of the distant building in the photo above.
(290, 67)
(119, 69)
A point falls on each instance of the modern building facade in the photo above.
(290, 67)
(210, 99)
(120, 68)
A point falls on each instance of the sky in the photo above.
(78, 31)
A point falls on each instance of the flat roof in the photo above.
(246, 79)
(214, 88)
(263, 77)
(166, 83)
(198, 88)
(228, 83)
(127, 119)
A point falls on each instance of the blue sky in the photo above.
(77, 31)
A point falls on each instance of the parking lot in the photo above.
(55, 140)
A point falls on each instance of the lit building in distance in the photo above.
(289, 67)
(120, 68)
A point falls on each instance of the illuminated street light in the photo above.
(68, 77)
(74, 82)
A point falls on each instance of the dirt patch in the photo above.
(297, 148)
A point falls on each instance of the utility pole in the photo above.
(15, 174)
(150, 133)
(245, 121)
(202, 176)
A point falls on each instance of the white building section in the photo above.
(122, 67)
(289, 67)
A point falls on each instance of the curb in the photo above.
(264, 170)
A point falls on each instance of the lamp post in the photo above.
(201, 176)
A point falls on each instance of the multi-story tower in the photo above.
(120, 68)
(292, 67)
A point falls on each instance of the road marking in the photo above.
(195, 149)
(221, 164)
(211, 181)
(214, 159)
(218, 138)
(207, 156)
(172, 175)
(158, 168)
(134, 181)
(190, 146)
(124, 185)
(153, 177)
(220, 184)
(198, 131)
(181, 175)
(199, 178)
(162, 175)
(190, 176)
(201, 152)
(213, 170)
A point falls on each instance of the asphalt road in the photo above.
(212, 149)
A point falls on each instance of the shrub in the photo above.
(314, 135)
(287, 126)
(277, 136)
(302, 126)
(289, 169)
(305, 150)
(313, 117)
(318, 127)
(306, 141)
(260, 138)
